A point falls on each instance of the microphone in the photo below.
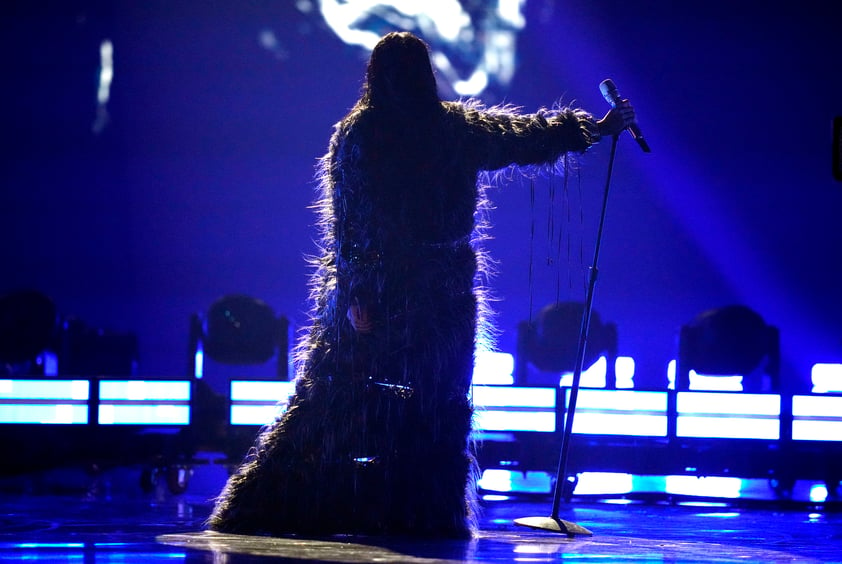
(612, 96)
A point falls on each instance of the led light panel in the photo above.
(258, 402)
(50, 402)
(73, 390)
(817, 418)
(144, 390)
(620, 412)
(509, 408)
(55, 414)
(144, 402)
(728, 415)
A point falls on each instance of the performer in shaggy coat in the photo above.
(375, 440)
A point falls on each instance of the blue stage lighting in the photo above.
(624, 372)
(508, 408)
(826, 378)
(704, 486)
(144, 402)
(704, 382)
(620, 412)
(494, 368)
(594, 376)
(62, 402)
(500, 480)
(604, 483)
(258, 402)
(724, 415)
(816, 418)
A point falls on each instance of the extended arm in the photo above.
(498, 137)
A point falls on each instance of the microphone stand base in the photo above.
(553, 524)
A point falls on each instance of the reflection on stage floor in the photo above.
(107, 517)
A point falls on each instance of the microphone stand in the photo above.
(553, 522)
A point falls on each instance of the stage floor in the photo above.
(113, 520)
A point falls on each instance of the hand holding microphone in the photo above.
(621, 115)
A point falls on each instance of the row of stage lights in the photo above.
(501, 406)
(494, 368)
(699, 490)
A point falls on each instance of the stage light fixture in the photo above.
(728, 342)
(547, 348)
(624, 371)
(826, 378)
(818, 493)
(594, 376)
(707, 383)
(238, 330)
(493, 368)
(28, 328)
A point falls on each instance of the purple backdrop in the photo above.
(200, 183)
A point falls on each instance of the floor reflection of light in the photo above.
(537, 548)
(501, 521)
(815, 517)
(146, 557)
(184, 510)
(75, 551)
(110, 544)
(495, 497)
(703, 503)
(49, 545)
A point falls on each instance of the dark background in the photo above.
(200, 183)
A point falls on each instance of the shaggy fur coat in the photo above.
(376, 437)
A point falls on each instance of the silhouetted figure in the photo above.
(376, 437)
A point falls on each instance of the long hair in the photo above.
(399, 75)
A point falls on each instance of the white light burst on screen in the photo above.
(103, 93)
(472, 48)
